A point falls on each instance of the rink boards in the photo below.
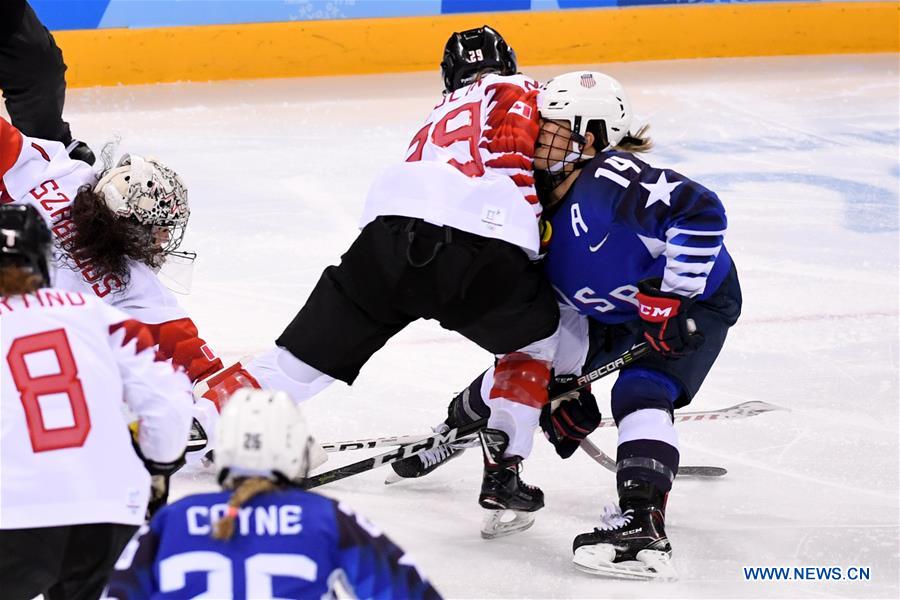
(111, 56)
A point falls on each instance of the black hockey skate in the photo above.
(465, 408)
(502, 491)
(424, 463)
(631, 543)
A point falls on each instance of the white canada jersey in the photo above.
(470, 165)
(41, 173)
(69, 361)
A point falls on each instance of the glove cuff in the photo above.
(163, 468)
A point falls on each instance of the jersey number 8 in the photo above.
(65, 382)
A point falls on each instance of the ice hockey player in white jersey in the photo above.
(113, 234)
(72, 488)
(636, 255)
(261, 535)
(448, 235)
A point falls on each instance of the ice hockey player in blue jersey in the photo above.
(640, 252)
(636, 254)
(262, 537)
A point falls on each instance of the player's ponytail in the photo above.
(636, 142)
(247, 489)
(15, 280)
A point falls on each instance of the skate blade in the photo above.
(393, 478)
(503, 522)
(651, 565)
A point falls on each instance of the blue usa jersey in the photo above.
(286, 544)
(624, 221)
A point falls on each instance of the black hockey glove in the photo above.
(666, 325)
(571, 421)
(160, 473)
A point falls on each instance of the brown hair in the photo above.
(246, 489)
(636, 142)
(107, 241)
(16, 280)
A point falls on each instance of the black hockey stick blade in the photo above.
(701, 472)
(608, 463)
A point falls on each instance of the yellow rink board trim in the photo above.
(358, 46)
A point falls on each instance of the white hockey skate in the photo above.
(500, 523)
(629, 545)
(649, 564)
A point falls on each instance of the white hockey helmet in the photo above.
(262, 433)
(148, 191)
(580, 97)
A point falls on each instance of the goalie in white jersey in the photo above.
(112, 234)
(72, 488)
(448, 235)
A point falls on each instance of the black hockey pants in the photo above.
(402, 269)
(32, 74)
(70, 562)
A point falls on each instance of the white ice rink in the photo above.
(804, 154)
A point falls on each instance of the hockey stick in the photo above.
(738, 411)
(453, 435)
(609, 463)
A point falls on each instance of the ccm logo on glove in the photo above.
(657, 313)
(664, 317)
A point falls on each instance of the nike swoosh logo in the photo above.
(597, 247)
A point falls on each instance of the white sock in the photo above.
(278, 369)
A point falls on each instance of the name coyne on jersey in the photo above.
(261, 520)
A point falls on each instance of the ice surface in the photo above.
(804, 154)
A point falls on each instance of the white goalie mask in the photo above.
(148, 191)
(262, 433)
(580, 97)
